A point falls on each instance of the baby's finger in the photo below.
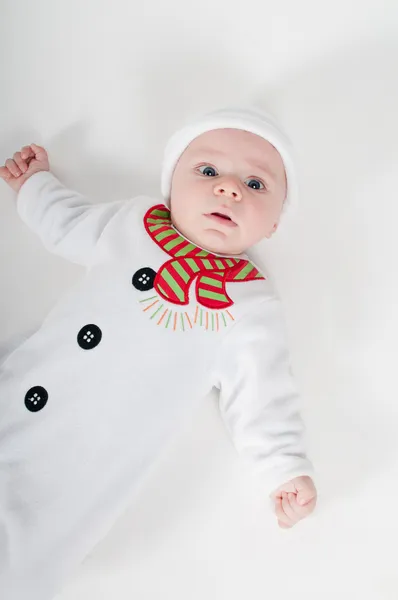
(306, 510)
(27, 152)
(287, 508)
(20, 162)
(13, 168)
(40, 152)
(301, 512)
(280, 514)
(296, 508)
(5, 173)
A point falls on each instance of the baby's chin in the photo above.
(218, 242)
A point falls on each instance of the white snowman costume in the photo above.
(88, 401)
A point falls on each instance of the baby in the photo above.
(170, 308)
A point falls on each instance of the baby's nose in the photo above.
(229, 189)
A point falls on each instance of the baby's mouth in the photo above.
(221, 218)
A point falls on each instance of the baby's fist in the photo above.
(31, 159)
(294, 501)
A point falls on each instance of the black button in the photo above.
(144, 278)
(36, 398)
(89, 337)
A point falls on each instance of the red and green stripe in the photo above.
(212, 272)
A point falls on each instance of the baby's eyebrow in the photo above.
(264, 169)
(201, 151)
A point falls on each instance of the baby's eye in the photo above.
(255, 184)
(207, 170)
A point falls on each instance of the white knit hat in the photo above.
(250, 119)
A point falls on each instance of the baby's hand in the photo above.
(31, 159)
(294, 501)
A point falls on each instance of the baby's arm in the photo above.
(259, 404)
(67, 223)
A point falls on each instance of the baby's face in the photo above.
(228, 190)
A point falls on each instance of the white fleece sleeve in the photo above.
(67, 223)
(258, 399)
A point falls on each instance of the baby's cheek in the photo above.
(258, 223)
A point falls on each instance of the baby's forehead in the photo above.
(236, 143)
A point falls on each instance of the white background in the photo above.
(102, 85)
